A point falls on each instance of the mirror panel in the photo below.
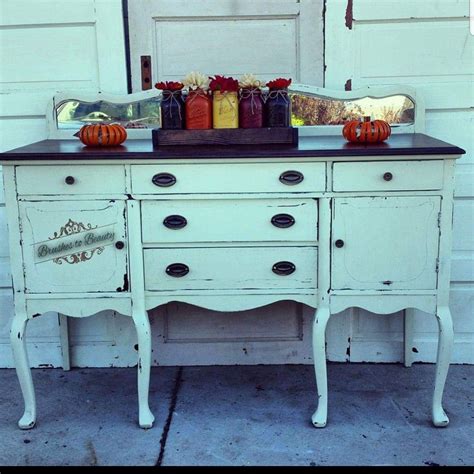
(73, 114)
(309, 110)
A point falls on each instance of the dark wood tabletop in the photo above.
(315, 146)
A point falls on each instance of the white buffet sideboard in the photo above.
(326, 224)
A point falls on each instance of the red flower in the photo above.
(223, 84)
(169, 86)
(279, 83)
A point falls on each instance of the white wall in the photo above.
(425, 44)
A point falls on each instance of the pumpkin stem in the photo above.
(366, 118)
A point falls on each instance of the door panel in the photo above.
(388, 243)
(70, 246)
(282, 38)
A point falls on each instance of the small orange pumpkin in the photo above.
(102, 134)
(368, 131)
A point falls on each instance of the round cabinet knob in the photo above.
(339, 243)
(175, 222)
(69, 180)
(291, 177)
(164, 180)
(283, 220)
(283, 268)
(388, 176)
(119, 245)
(177, 270)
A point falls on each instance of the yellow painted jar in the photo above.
(225, 110)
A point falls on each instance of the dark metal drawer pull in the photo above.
(175, 222)
(177, 270)
(291, 177)
(283, 268)
(163, 180)
(283, 220)
(388, 176)
(69, 180)
(119, 245)
(339, 243)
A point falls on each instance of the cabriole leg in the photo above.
(142, 325)
(20, 357)
(445, 345)
(321, 318)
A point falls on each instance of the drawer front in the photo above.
(231, 268)
(70, 179)
(229, 178)
(388, 176)
(229, 220)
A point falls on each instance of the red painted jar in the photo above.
(251, 108)
(198, 110)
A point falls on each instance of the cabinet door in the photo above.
(73, 246)
(385, 243)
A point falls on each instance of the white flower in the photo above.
(249, 81)
(196, 80)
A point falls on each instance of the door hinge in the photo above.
(439, 220)
(145, 63)
(437, 265)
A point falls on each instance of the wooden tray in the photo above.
(226, 136)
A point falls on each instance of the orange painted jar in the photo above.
(198, 110)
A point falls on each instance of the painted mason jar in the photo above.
(225, 109)
(198, 110)
(278, 108)
(251, 108)
(172, 110)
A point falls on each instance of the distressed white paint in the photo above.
(111, 335)
(407, 232)
(428, 47)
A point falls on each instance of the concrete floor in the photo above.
(240, 415)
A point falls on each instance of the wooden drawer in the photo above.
(229, 178)
(90, 179)
(229, 220)
(388, 175)
(230, 268)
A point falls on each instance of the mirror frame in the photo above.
(376, 92)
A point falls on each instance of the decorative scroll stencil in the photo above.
(75, 242)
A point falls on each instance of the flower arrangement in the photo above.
(196, 81)
(223, 84)
(251, 102)
(169, 86)
(198, 105)
(250, 81)
(172, 105)
(278, 104)
(280, 83)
